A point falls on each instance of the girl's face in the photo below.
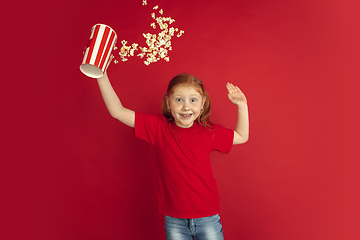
(186, 104)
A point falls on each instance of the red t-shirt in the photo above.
(186, 186)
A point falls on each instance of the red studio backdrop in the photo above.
(70, 171)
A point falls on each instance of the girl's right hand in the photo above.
(108, 63)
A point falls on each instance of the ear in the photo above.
(203, 102)
(167, 102)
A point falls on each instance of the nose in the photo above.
(186, 106)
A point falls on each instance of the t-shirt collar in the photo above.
(180, 129)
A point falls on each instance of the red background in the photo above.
(70, 171)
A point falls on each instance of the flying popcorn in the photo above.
(158, 44)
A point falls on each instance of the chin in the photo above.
(185, 124)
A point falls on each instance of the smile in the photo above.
(186, 115)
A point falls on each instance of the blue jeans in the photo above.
(207, 228)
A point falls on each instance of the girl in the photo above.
(183, 139)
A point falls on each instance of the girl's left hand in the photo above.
(235, 95)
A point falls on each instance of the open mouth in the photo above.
(186, 115)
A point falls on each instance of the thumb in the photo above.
(109, 61)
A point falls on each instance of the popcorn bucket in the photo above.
(98, 50)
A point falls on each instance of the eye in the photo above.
(178, 100)
(193, 100)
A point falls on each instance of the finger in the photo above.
(109, 61)
(230, 87)
(237, 88)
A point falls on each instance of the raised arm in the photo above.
(113, 104)
(237, 97)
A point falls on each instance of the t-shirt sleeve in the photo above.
(146, 127)
(223, 139)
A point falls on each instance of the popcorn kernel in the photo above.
(157, 45)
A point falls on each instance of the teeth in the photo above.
(186, 115)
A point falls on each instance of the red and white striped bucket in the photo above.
(98, 50)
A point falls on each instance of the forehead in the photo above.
(186, 89)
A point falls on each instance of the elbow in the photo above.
(239, 139)
(246, 138)
(114, 114)
(243, 140)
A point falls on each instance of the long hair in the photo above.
(188, 79)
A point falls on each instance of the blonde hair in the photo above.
(188, 79)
